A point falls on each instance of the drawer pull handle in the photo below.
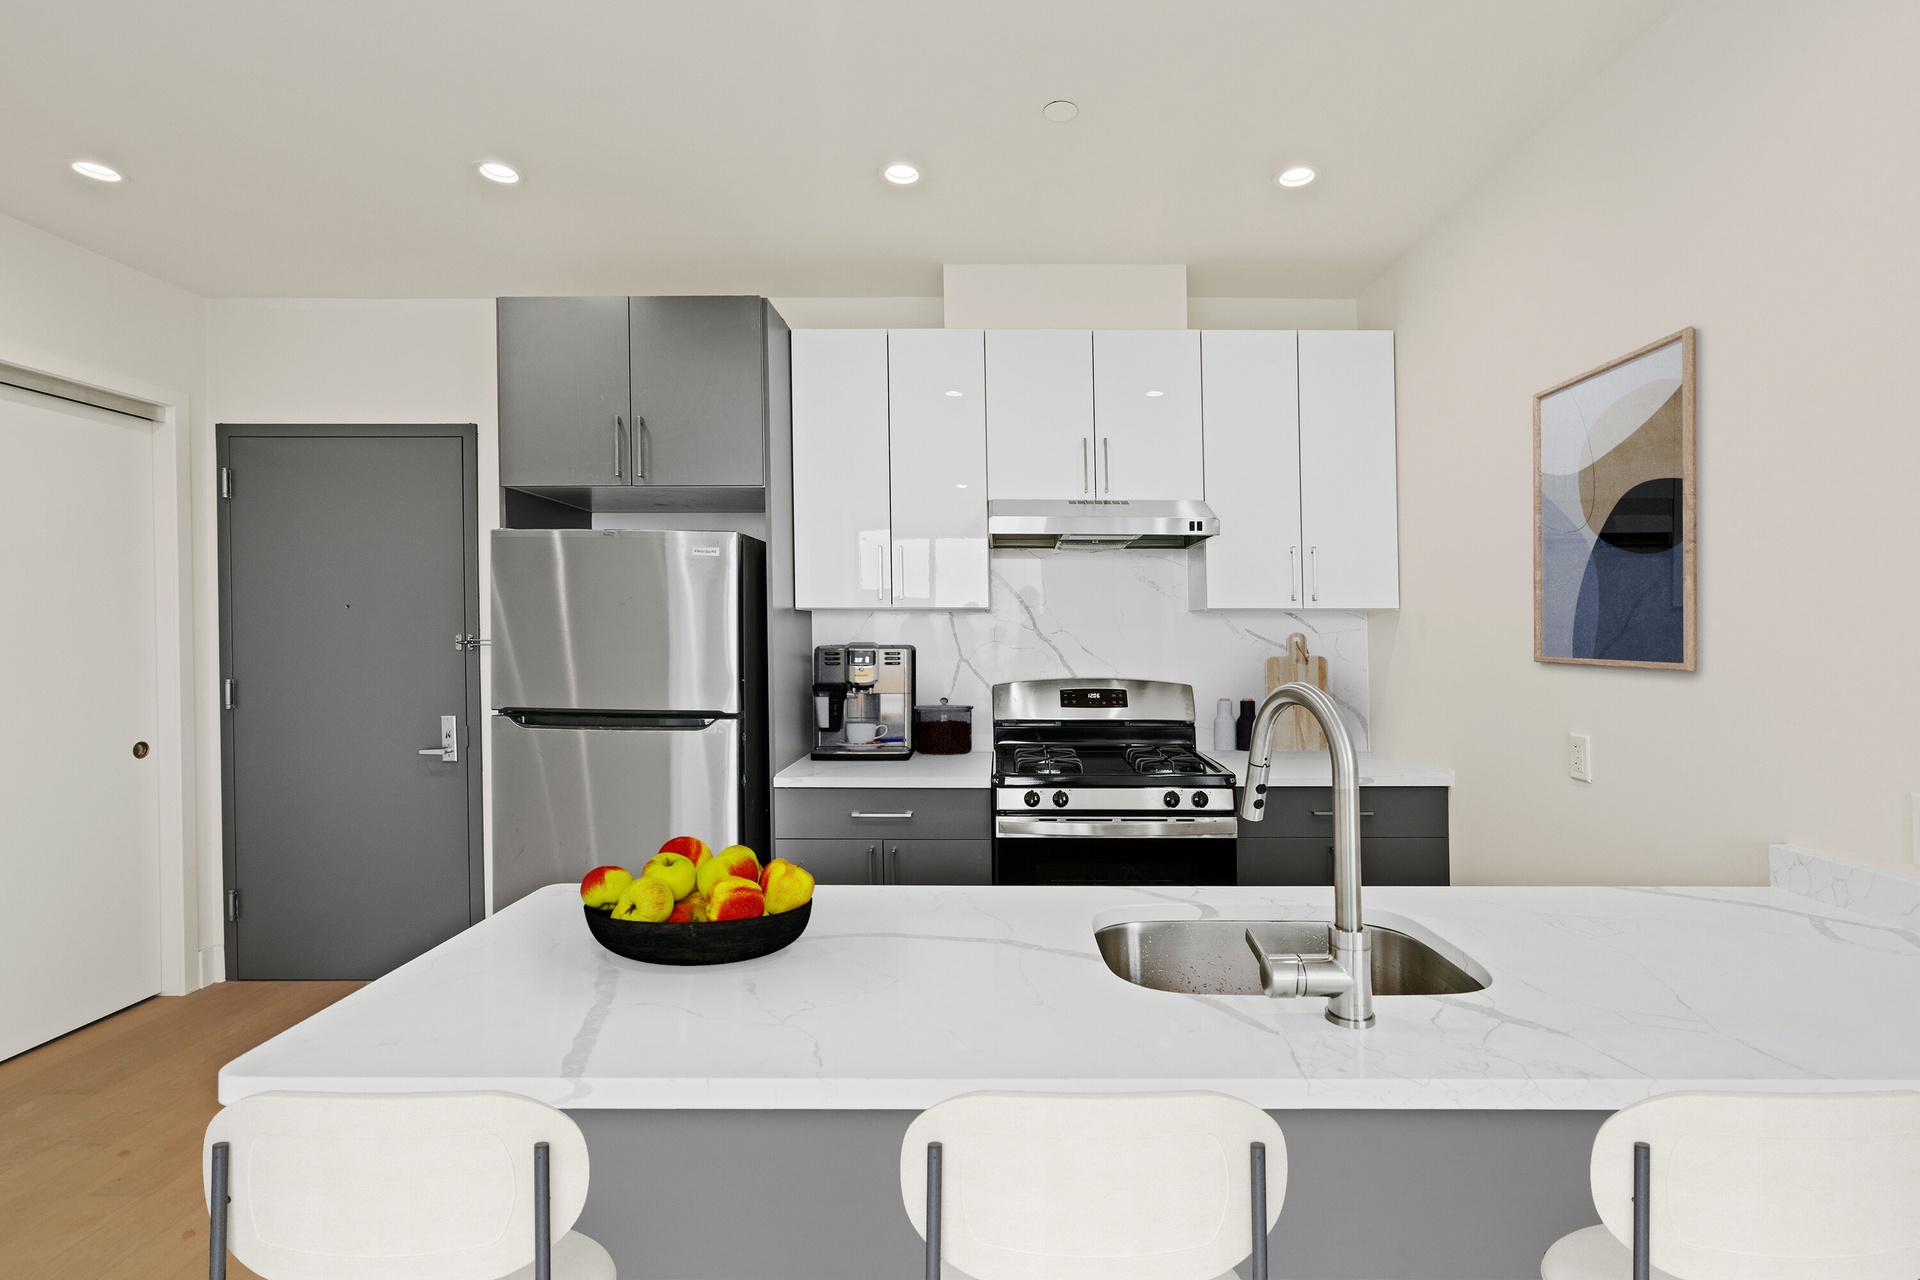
(1328, 813)
(857, 814)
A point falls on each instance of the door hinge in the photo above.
(464, 643)
(226, 693)
(233, 905)
(226, 482)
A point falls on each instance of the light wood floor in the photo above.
(100, 1132)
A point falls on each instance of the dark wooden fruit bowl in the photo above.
(711, 942)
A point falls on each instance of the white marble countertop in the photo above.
(900, 996)
(1290, 769)
(974, 769)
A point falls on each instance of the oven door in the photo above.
(1118, 850)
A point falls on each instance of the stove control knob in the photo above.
(1171, 799)
(1032, 798)
(1059, 799)
(1199, 799)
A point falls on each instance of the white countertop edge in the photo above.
(764, 1094)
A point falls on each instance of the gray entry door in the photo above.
(348, 567)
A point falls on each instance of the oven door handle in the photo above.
(1223, 827)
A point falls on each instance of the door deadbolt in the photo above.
(140, 751)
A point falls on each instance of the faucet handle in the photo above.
(1286, 972)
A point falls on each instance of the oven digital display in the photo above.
(1096, 698)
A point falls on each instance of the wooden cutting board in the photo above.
(1296, 730)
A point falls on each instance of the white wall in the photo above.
(1746, 168)
(330, 360)
(1202, 313)
(69, 312)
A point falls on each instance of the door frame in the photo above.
(468, 434)
(175, 743)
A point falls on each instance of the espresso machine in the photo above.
(863, 701)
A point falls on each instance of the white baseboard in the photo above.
(213, 965)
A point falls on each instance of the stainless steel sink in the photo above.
(1212, 958)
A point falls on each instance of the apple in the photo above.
(788, 886)
(600, 888)
(692, 848)
(736, 898)
(647, 899)
(734, 860)
(674, 868)
(692, 908)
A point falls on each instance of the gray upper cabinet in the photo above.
(564, 409)
(699, 390)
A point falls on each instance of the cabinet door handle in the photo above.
(1328, 813)
(898, 816)
(880, 557)
(890, 863)
(899, 564)
(873, 865)
(1106, 461)
(616, 444)
(1313, 560)
(1293, 574)
(642, 446)
(1086, 465)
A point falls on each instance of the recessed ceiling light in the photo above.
(1156, 393)
(953, 393)
(901, 174)
(1060, 111)
(1298, 176)
(95, 170)
(494, 171)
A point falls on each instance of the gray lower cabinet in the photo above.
(886, 835)
(1403, 837)
(564, 412)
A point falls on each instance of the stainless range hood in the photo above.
(1098, 522)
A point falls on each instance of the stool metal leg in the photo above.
(933, 1211)
(542, 1212)
(1257, 1155)
(217, 1212)
(1642, 1209)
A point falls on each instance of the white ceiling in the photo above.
(286, 149)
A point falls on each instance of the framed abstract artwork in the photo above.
(1613, 519)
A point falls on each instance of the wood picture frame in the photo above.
(1614, 498)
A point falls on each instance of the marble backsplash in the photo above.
(1107, 613)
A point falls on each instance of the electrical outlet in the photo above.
(1580, 756)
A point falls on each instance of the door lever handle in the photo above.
(449, 748)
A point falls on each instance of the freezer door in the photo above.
(568, 800)
(616, 619)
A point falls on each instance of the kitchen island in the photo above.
(1448, 1141)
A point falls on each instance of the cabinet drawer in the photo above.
(1384, 811)
(834, 861)
(1393, 860)
(834, 813)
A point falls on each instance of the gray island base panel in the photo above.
(1450, 1140)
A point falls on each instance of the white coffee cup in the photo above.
(863, 731)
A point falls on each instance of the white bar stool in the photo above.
(1118, 1186)
(1752, 1186)
(409, 1186)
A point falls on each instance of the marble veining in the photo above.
(899, 996)
(1108, 613)
(1890, 896)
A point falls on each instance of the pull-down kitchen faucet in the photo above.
(1345, 973)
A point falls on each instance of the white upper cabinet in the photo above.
(936, 393)
(1039, 413)
(1250, 378)
(1146, 414)
(841, 477)
(1348, 502)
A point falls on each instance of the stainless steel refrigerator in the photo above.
(629, 696)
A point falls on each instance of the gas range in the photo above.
(1112, 762)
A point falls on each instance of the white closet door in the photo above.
(1251, 425)
(1146, 413)
(1348, 499)
(79, 848)
(840, 471)
(936, 389)
(1039, 413)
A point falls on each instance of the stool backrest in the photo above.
(422, 1186)
(1123, 1186)
(1747, 1186)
